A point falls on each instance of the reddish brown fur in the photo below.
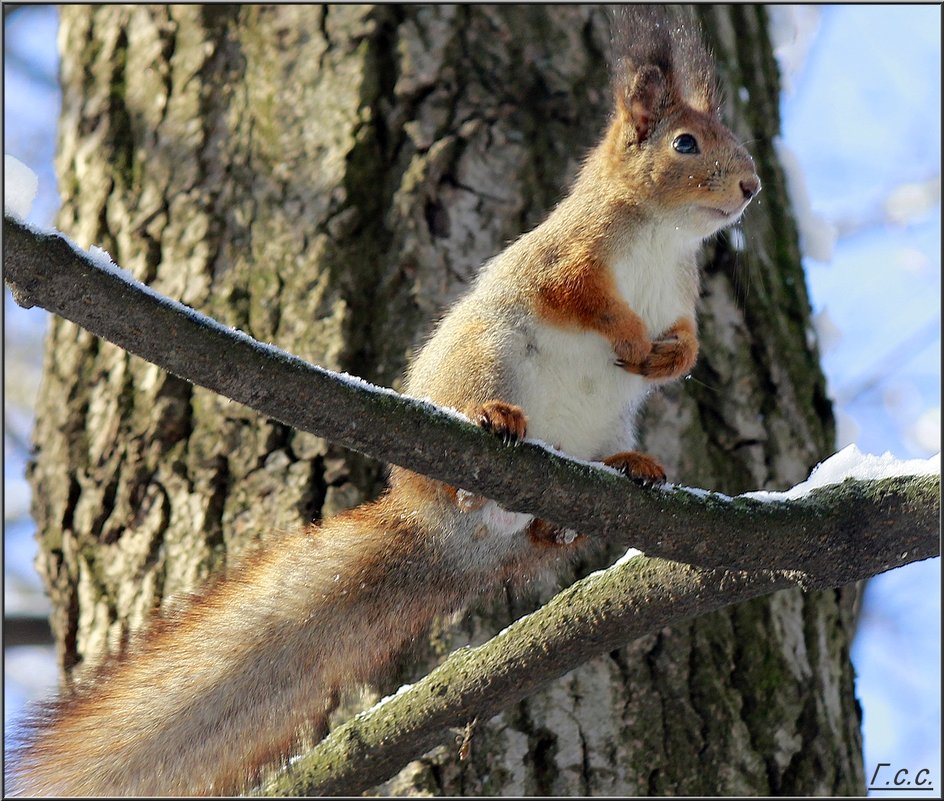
(673, 353)
(634, 172)
(638, 466)
(505, 420)
(375, 547)
(582, 294)
(549, 535)
(228, 684)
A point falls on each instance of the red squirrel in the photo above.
(559, 339)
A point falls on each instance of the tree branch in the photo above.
(598, 614)
(854, 531)
(834, 536)
(28, 629)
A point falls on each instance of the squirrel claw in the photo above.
(505, 420)
(669, 359)
(632, 354)
(640, 467)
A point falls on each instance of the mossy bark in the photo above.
(329, 179)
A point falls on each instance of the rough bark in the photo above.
(327, 179)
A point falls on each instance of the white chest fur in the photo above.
(657, 275)
(576, 397)
(574, 394)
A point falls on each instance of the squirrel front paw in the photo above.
(673, 354)
(640, 467)
(503, 419)
(631, 354)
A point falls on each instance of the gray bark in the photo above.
(328, 179)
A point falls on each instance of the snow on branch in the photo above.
(724, 550)
(834, 535)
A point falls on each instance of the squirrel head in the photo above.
(667, 150)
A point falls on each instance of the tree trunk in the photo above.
(329, 179)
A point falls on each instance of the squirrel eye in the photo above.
(685, 143)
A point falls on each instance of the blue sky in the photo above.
(863, 119)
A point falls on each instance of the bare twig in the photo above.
(26, 630)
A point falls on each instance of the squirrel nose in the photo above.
(750, 186)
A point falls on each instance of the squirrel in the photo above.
(560, 338)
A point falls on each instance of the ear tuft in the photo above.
(669, 39)
(645, 101)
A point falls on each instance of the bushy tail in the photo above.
(220, 690)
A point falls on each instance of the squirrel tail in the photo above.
(215, 692)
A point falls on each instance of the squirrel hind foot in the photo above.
(505, 420)
(541, 532)
(640, 467)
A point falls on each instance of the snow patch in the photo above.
(850, 462)
(570, 457)
(793, 29)
(386, 699)
(632, 553)
(102, 259)
(20, 185)
(357, 381)
(698, 492)
(503, 522)
(568, 536)
(403, 688)
(827, 332)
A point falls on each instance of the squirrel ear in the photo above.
(644, 101)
